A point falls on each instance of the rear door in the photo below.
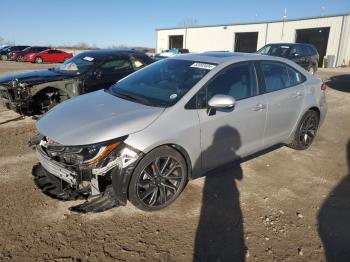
(285, 93)
(232, 133)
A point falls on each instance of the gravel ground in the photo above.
(285, 205)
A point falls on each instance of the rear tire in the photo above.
(39, 60)
(158, 179)
(20, 58)
(4, 57)
(306, 131)
(312, 70)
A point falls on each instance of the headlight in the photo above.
(96, 154)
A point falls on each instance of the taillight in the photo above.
(323, 87)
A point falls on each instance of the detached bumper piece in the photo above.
(56, 188)
(53, 186)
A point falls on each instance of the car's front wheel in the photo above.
(38, 60)
(158, 179)
(306, 131)
(4, 57)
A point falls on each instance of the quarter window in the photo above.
(295, 77)
(238, 81)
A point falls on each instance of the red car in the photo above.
(19, 55)
(48, 56)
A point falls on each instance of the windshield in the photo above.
(76, 65)
(161, 84)
(275, 50)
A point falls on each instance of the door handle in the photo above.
(259, 107)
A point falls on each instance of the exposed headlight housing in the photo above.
(96, 155)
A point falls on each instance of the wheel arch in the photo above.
(183, 152)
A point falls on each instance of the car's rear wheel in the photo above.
(312, 70)
(38, 60)
(158, 179)
(4, 57)
(306, 131)
(20, 58)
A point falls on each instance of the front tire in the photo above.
(158, 179)
(4, 57)
(306, 131)
(38, 60)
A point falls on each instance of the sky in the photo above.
(106, 23)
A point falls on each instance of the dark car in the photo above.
(305, 55)
(37, 91)
(5, 53)
(19, 55)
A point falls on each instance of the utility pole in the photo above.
(284, 18)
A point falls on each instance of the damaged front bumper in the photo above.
(102, 185)
(14, 98)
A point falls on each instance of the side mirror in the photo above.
(222, 101)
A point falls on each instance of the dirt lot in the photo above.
(285, 205)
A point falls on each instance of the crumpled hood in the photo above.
(94, 118)
(35, 77)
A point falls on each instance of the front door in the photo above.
(233, 133)
(108, 73)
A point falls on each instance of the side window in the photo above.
(295, 77)
(311, 50)
(137, 63)
(275, 75)
(116, 65)
(238, 81)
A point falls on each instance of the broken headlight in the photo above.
(90, 155)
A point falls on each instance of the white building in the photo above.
(329, 34)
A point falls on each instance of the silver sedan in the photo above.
(143, 138)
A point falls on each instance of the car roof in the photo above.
(222, 57)
(107, 52)
(290, 44)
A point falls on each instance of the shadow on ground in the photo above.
(219, 235)
(340, 83)
(334, 220)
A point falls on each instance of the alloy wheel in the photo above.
(159, 181)
(308, 130)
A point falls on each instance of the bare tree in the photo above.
(1, 40)
(187, 22)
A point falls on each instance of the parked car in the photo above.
(19, 55)
(174, 52)
(305, 55)
(143, 138)
(48, 56)
(5, 52)
(37, 91)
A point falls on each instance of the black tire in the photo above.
(312, 69)
(158, 179)
(306, 131)
(19, 58)
(39, 60)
